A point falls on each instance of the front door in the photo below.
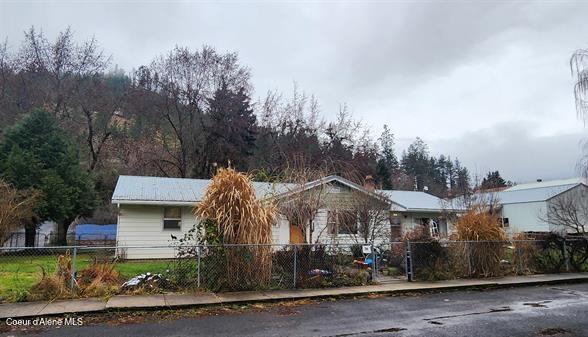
(296, 236)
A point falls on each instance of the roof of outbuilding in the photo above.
(536, 191)
(415, 200)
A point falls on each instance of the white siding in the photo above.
(524, 217)
(281, 232)
(580, 195)
(140, 225)
(322, 235)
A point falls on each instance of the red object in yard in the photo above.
(362, 264)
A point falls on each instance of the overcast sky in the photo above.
(486, 82)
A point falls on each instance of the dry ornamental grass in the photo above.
(230, 202)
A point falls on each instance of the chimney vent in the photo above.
(369, 183)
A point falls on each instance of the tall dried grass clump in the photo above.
(231, 204)
(99, 279)
(482, 242)
(54, 286)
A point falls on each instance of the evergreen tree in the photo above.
(232, 129)
(387, 164)
(36, 154)
(416, 162)
(462, 179)
(493, 180)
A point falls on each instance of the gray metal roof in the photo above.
(182, 191)
(414, 200)
(158, 190)
(533, 192)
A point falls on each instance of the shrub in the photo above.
(428, 256)
(550, 256)
(429, 260)
(99, 278)
(578, 253)
(524, 253)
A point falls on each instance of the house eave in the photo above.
(154, 202)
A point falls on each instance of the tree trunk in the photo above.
(62, 228)
(30, 233)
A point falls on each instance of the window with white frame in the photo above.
(172, 218)
(342, 222)
(505, 223)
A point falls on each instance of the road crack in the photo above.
(491, 311)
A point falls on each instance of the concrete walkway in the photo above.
(129, 302)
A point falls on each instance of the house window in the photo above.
(342, 222)
(395, 227)
(172, 218)
(505, 223)
(347, 222)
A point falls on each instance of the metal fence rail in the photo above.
(53, 272)
(441, 260)
(17, 240)
(57, 272)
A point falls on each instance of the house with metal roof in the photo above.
(153, 209)
(524, 207)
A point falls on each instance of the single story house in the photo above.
(152, 209)
(525, 207)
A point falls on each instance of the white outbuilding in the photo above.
(525, 207)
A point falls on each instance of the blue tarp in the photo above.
(95, 232)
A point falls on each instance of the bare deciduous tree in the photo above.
(579, 68)
(372, 213)
(184, 82)
(16, 208)
(568, 212)
(303, 200)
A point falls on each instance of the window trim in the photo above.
(163, 219)
(504, 224)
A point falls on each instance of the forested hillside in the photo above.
(190, 111)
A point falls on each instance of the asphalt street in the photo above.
(556, 310)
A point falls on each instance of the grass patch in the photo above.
(19, 273)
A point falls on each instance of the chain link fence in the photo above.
(47, 273)
(443, 260)
(16, 240)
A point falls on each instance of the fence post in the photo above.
(295, 263)
(375, 262)
(469, 256)
(408, 261)
(566, 256)
(198, 252)
(73, 268)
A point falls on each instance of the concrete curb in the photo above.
(169, 301)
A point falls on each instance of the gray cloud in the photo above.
(446, 71)
(520, 155)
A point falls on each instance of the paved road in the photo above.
(560, 310)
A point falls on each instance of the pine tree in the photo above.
(387, 164)
(416, 162)
(493, 180)
(232, 129)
